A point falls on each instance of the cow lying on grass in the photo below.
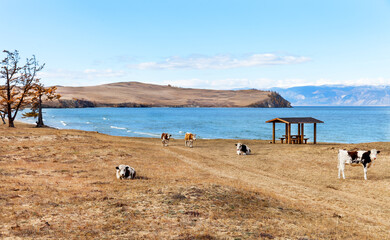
(189, 139)
(125, 172)
(165, 138)
(356, 158)
(242, 149)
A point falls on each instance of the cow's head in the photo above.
(374, 153)
(238, 145)
(122, 171)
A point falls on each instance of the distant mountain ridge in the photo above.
(336, 95)
(136, 94)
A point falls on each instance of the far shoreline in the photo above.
(31, 125)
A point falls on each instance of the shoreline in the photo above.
(157, 137)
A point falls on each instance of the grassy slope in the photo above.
(61, 184)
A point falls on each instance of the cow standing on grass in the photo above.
(125, 172)
(189, 139)
(356, 158)
(165, 138)
(242, 149)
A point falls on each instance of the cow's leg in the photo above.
(191, 142)
(365, 173)
(341, 169)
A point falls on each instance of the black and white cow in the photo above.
(242, 149)
(125, 172)
(356, 158)
(165, 138)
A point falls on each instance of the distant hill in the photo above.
(136, 94)
(336, 95)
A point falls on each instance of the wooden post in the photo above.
(299, 129)
(302, 132)
(299, 133)
(289, 133)
(315, 133)
(286, 133)
(273, 132)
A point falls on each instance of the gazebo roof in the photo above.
(295, 120)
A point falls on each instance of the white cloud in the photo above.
(220, 62)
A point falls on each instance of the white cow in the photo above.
(356, 158)
(125, 172)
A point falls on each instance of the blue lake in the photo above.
(341, 124)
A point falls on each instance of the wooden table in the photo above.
(295, 139)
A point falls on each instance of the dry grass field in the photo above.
(61, 184)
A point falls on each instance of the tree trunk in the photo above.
(40, 118)
(10, 122)
(3, 117)
(9, 109)
(10, 118)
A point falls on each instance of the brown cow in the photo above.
(189, 139)
(165, 138)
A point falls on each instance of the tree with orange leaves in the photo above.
(20, 81)
(36, 102)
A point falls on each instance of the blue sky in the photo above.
(202, 44)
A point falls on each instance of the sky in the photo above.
(202, 44)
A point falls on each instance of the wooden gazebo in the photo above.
(300, 137)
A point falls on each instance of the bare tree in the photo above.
(18, 89)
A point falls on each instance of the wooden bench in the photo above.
(297, 140)
(293, 140)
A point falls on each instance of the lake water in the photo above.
(341, 124)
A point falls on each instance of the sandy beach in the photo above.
(61, 184)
